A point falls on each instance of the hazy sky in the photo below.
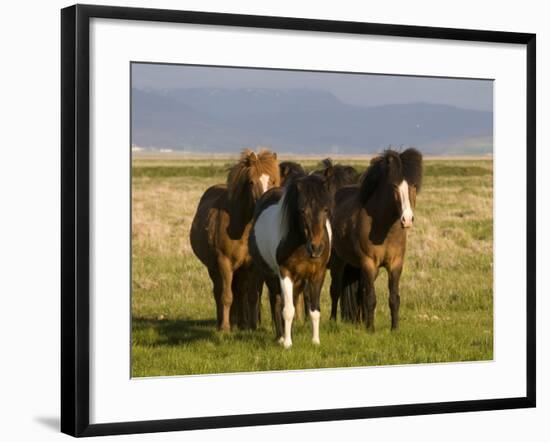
(359, 89)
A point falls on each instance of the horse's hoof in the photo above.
(281, 340)
(287, 344)
(316, 341)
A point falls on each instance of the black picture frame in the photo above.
(75, 225)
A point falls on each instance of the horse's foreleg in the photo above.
(305, 305)
(314, 294)
(369, 271)
(226, 274)
(254, 291)
(217, 289)
(336, 274)
(274, 288)
(287, 287)
(394, 274)
(261, 281)
(299, 307)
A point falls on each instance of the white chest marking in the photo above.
(264, 179)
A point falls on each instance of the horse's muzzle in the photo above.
(407, 222)
(314, 251)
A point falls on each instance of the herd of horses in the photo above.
(274, 224)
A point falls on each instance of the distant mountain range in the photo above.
(300, 121)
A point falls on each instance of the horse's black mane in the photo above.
(411, 159)
(393, 167)
(314, 191)
(290, 170)
(337, 175)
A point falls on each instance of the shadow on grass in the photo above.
(171, 332)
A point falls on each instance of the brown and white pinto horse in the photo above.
(370, 227)
(291, 243)
(219, 236)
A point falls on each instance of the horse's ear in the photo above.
(328, 172)
(274, 155)
(251, 158)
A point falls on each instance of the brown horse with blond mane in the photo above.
(370, 228)
(219, 236)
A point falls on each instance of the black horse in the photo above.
(290, 170)
(337, 175)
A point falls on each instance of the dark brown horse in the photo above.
(290, 170)
(337, 175)
(219, 235)
(370, 227)
(291, 243)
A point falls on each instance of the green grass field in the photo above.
(446, 289)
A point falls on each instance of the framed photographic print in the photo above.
(277, 220)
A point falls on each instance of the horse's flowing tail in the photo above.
(352, 293)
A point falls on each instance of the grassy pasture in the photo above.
(446, 288)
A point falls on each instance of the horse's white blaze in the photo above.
(267, 231)
(315, 315)
(288, 309)
(406, 210)
(264, 179)
(329, 230)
